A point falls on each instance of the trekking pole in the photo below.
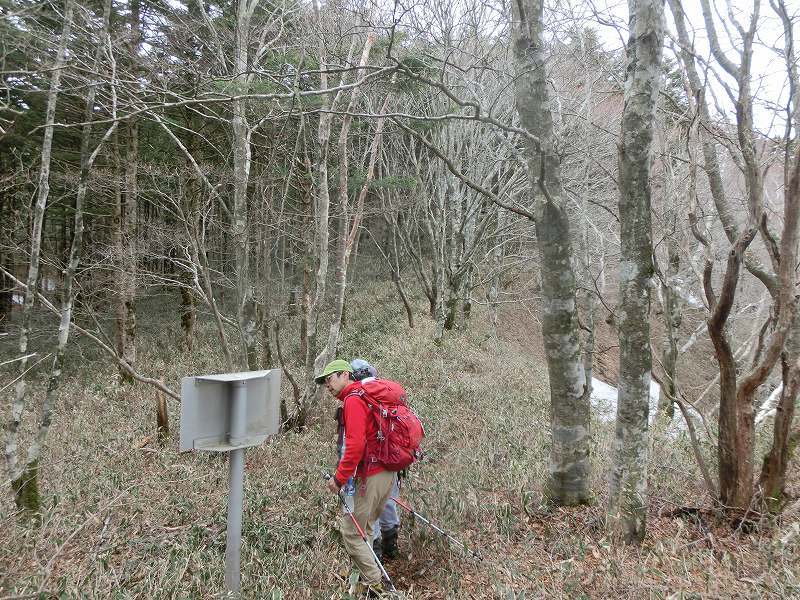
(363, 536)
(436, 528)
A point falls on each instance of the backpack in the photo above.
(399, 430)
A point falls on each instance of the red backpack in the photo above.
(399, 430)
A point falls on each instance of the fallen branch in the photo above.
(8, 362)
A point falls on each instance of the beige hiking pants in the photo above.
(370, 498)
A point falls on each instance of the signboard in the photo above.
(228, 413)
(209, 409)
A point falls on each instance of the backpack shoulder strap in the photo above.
(365, 397)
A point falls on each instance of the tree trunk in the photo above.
(496, 246)
(24, 480)
(188, 312)
(408, 242)
(736, 416)
(784, 443)
(6, 295)
(6, 286)
(242, 152)
(568, 481)
(347, 239)
(315, 290)
(627, 505)
(87, 160)
(773, 469)
(436, 224)
(128, 220)
(673, 315)
(162, 418)
(394, 263)
(307, 230)
(734, 488)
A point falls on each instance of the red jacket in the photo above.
(360, 435)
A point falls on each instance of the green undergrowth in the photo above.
(124, 518)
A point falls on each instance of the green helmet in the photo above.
(335, 366)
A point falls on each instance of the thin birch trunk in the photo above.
(673, 315)
(672, 304)
(568, 481)
(394, 263)
(23, 479)
(242, 154)
(314, 291)
(87, 160)
(588, 298)
(496, 265)
(627, 504)
(345, 243)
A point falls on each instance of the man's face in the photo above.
(336, 382)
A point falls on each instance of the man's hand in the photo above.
(332, 485)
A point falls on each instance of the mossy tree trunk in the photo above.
(627, 503)
(568, 481)
(87, 160)
(24, 477)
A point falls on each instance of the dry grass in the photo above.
(124, 521)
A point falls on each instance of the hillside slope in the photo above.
(127, 519)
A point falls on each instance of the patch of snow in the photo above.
(604, 400)
(694, 301)
(770, 404)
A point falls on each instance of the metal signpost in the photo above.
(228, 413)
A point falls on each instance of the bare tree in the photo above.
(737, 394)
(772, 480)
(24, 477)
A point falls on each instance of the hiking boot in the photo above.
(376, 590)
(377, 547)
(389, 542)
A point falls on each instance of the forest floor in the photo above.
(125, 518)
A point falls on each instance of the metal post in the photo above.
(236, 488)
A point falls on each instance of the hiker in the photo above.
(372, 482)
(386, 529)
